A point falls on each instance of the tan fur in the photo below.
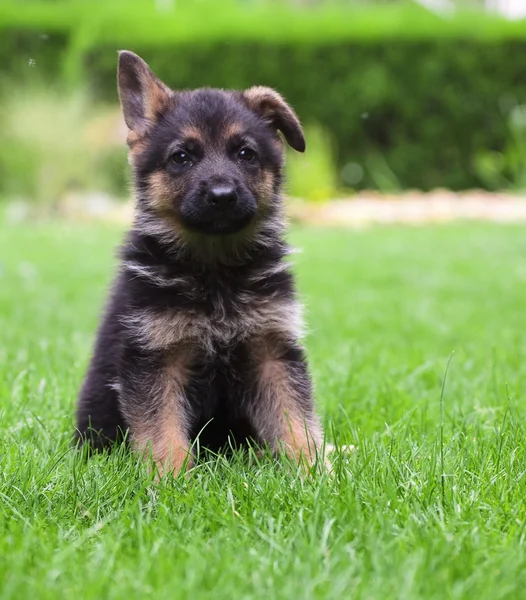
(231, 130)
(162, 191)
(192, 133)
(136, 144)
(133, 138)
(162, 194)
(168, 329)
(264, 187)
(263, 100)
(300, 439)
(156, 99)
(165, 434)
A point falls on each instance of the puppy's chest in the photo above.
(219, 318)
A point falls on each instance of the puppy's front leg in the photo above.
(282, 409)
(153, 402)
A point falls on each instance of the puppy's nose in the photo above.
(222, 196)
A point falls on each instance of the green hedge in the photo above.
(413, 99)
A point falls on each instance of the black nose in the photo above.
(222, 196)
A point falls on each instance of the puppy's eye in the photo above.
(246, 154)
(181, 158)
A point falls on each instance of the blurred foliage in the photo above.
(507, 168)
(54, 142)
(166, 21)
(407, 98)
(312, 176)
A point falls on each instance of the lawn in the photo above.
(425, 507)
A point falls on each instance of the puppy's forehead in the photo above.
(209, 114)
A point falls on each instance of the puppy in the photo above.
(200, 337)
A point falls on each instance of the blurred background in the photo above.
(395, 95)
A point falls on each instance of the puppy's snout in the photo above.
(222, 196)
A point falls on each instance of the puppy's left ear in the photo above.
(267, 103)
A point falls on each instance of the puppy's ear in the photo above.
(143, 95)
(267, 103)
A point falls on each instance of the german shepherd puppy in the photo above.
(200, 336)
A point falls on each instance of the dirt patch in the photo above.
(413, 208)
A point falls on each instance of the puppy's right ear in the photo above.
(143, 95)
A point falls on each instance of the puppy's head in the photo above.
(206, 161)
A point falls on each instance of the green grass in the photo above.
(402, 517)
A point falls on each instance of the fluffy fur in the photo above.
(201, 333)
